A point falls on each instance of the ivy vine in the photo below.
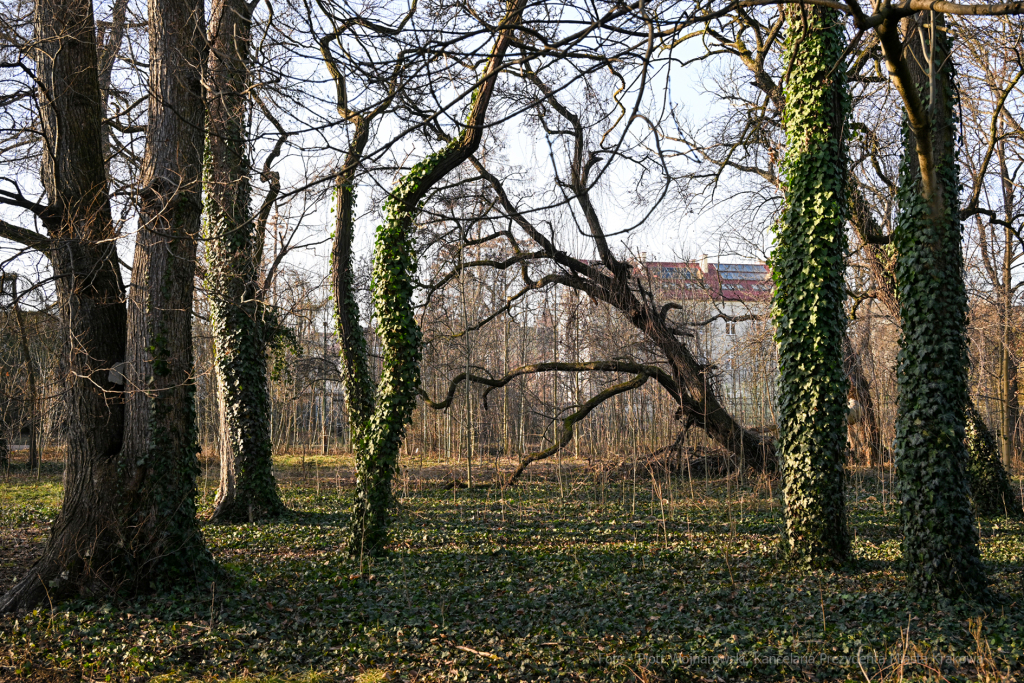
(808, 265)
(160, 541)
(240, 334)
(379, 437)
(940, 543)
(991, 491)
(394, 265)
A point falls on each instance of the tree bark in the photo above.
(161, 444)
(81, 249)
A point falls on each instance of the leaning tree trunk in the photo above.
(81, 248)
(808, 266)
(696, 392)
(160, 424)
(692, 383)
(394, 264)
(940, 546)
(248, 490)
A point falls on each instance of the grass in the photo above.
(582, 580)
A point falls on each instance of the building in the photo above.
(726, 307)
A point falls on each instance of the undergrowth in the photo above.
(577, 580)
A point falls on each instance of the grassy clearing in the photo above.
(578, 580)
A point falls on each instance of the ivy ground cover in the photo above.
(568, 579)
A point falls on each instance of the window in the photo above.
(730, 327)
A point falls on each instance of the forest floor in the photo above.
(578, 577)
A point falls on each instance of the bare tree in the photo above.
(128, 512)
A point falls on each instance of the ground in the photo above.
(578, 577)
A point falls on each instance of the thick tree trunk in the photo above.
(808, 269)
(84, 537)
(940, 546)
(160, 425)
(247, 490)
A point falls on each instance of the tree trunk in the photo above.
(940, 547)
(808, 267)
(247, 490)
(393, 269)
(359, 389)
(863, 423)
(1007, 366)
(33, 398)
(1008, 390)
(161, 442)
(108, 46)
(81, 248)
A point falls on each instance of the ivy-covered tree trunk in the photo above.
(248, 490)
(394, 263)
(808, 264)
(991, 491)
(940, 544)
(161, 444)
(359, 386)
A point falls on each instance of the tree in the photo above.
(160, 444)
(359, 384)
(610, 279)
(988, 80)
(940, 544)
(808, 267)
(748, 141)
(393, 267)
(81, 248)
(128, 514)
(248, 490)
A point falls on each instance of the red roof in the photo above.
(692, 280)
